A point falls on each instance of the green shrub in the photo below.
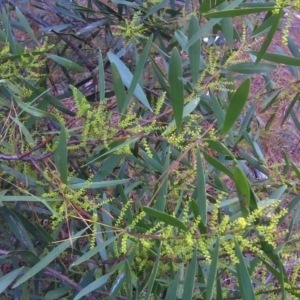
(145, 177)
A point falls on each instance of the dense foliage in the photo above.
(131, 155)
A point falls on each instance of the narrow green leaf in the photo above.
(181, 38)
(176, 87)
(45, 261)
(58, 293)
(66, 63)
(29, 139)
(160, 76)
(253, 162)
(127, 79)
(56, 28)
(293, 47)
(290, 108)
(243, 189)
(101, 77)
(84, 257)
(164, 218)
(97, 185)
(295, 119)
(207, 5)
(162, 185)
(112, 148)
(91, 287)
(217, 164)
(296, 170)
(270, 100)
(244, 280)
(264, 27)
(26, 25)
(117, 286)
(153, 273)
(218, 111)
(33, 111)
(236, 105)
(246, 122)
(213, 271)
(292, 68)
(251, 68)
(16, 227)
(201, 189)
(188, 290)
(227, 27)
(128, 278)
(61, 155)
(209, 25)
(118, 85)
(138, 72)
(7, 279)
(194, 50)
(8, 31)
(269, 38)
(219, 147)
(188, 108)
(230, 13)
(278, 58)
(172, 290)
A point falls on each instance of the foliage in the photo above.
(131, 159)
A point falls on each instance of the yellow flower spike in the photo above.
(241, 223)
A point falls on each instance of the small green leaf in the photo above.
(245, 284)
(68, 64)
(164, 218)
(176, 87)
(236, 105)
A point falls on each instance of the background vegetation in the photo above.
(134, 158)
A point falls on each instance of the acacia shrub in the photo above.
(159, 189)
